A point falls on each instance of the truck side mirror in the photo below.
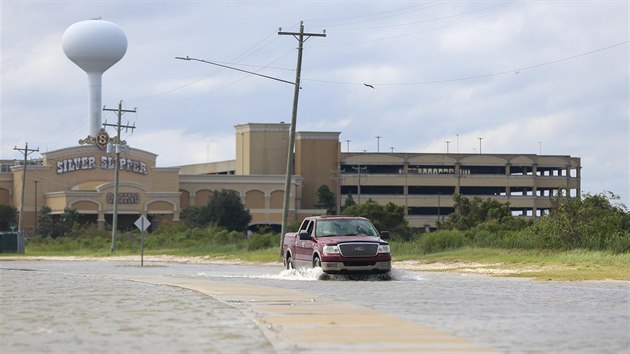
(384, 235)
(304, 235)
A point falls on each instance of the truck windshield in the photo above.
(345, 227)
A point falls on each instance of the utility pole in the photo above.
(36, 211)
(301, 38)
(25, 151)
(358, 168)
(338, 178)
(378, 143)
(118, 148)
(480, 144)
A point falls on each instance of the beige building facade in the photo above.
(426, 183)
(82, 178)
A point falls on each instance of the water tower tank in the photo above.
(94, 45)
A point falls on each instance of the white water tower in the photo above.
(94, 45)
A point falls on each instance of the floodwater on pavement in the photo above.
(88, 307)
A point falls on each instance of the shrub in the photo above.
(441, 241)
(261, 241)
(619, 242)
(469, 213)
(8, 217)
(590, 222)
(389, 217)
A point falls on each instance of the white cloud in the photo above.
(575, 107)
(178, 147)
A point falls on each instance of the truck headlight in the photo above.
(383, 248)
(331, 249)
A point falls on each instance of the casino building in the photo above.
(82, 178)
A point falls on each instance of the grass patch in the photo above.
(547, 264)
(539, 264)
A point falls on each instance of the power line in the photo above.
(378, 15)
(473, 77)
(237, 69)
(248, 52)
(433, 19)
(407, 34)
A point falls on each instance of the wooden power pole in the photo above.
(118, 148)
(301, 38)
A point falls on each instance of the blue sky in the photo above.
(526, 76)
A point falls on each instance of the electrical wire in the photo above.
(433, 19)
(248, 52)
(474, 77)
(375, 16)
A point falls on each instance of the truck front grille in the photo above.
(358, 249)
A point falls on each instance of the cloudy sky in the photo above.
(526, 76)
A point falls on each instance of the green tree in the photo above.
(348, 203)
(593, 221)
(326, 200)
(193, 217)
(469, 213)
(45, 225)
(8, 215)
(224, 209)
(66, 222)
(48, 226)
(390, 217)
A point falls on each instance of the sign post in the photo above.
(142, 224)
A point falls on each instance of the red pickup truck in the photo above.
(339, 245)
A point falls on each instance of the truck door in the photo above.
(304, 248)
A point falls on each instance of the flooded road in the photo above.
(91, 306)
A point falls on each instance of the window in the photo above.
(432, 170)
(432, 190)
(431, 211)
(373, 169)
(345, 227)
(521, 170)
(521, 191)
(485, 170)
(376, 190)
(306, 225)
(496, 191)
(382, 190)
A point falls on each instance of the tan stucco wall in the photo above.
(262, 195)
(316, 159)
(81, 177)
(261, 149)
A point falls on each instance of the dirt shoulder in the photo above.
(468, 267)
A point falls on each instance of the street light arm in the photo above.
(237, 69)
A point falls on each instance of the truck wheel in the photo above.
(289, 262)
(317, 262)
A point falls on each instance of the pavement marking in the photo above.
(296, 322)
